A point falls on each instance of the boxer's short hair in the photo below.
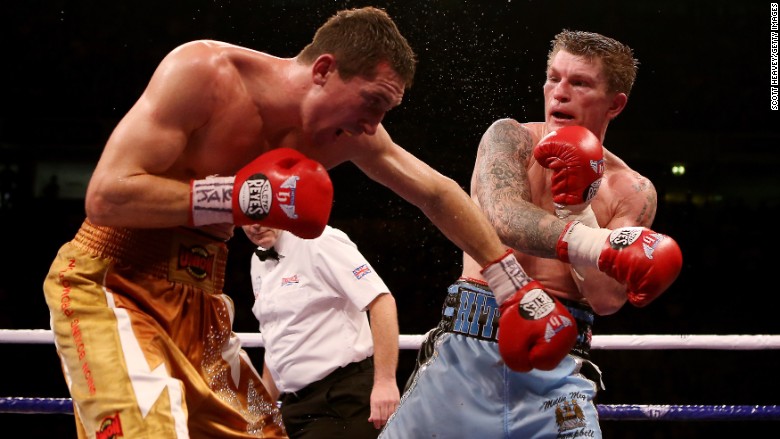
(360, 39)
(617, 59)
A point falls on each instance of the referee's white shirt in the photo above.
(311, 307)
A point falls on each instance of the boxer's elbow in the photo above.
(102, 206)
(98, 209)
(604, 295)
(607, 307)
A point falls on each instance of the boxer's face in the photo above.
(261, 236)
(576, 93)
(347, 108)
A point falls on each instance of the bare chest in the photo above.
(230, 139)
(540, 182)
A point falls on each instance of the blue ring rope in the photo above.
(607, 412)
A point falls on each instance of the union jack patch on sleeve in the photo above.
(361, 271)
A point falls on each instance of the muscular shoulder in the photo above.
(196, 79)
(214, 64)
(622, 178)
(200, 51)
(631, 195)
(201, 60)
(185, 81)
(507, 133)
(507, 140)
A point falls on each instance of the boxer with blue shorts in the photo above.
(528, 179)
(461, 387)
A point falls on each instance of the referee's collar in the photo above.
(283, 241)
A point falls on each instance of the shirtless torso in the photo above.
(625, 198)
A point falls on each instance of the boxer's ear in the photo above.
(618, 104)
(322, 68)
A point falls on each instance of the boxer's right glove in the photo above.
(535, 330)
(282, 189)
(645, 261)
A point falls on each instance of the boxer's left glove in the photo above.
(535, 330)
(282, 189)
(576, 157)
(647, 262)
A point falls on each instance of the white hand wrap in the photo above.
(585, 245)
(211, 201)
(505, 276)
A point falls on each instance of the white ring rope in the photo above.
(616, 342)
(606, 412)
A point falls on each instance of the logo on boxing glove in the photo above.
(591, 190)
(651, 241)
(535, 305)
(286, 196)
(255, 197)
(626, 236)
(555, 325)
(597, 166)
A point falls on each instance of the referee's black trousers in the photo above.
(335, 407)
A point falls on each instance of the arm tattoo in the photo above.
(503, 191)
(646, 213)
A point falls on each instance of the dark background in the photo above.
(70, 70)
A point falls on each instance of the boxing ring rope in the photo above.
(623, 412)
(608, 342)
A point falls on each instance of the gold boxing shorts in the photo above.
(145, 337)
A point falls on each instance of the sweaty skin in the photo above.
(514, 190)
(625, 198)
(211, 107)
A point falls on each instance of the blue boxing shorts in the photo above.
(461, 387)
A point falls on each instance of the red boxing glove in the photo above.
(645, 261)
(285, 190)
(648, 261)
(535, 330)
(577, 159)
(282, 189)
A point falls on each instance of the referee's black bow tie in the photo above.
(265, 254)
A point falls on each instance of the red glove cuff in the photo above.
(562, 248)
(506, 253)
